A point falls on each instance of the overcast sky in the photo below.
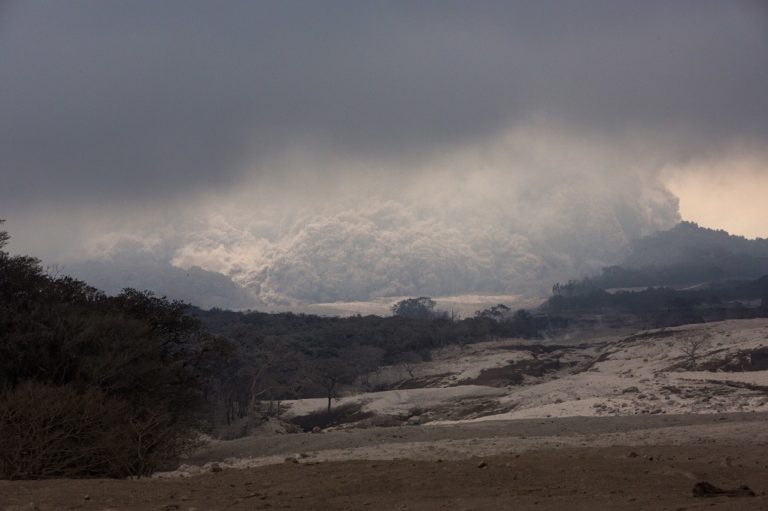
(178, 121)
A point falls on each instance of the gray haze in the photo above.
(321, 151)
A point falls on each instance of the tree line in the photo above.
(287, 355)
(95, 385)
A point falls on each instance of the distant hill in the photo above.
(200, 287)
(688, 274)
(688, 241)
(687, 254)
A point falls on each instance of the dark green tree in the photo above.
(415, 308)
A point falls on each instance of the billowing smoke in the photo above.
(530, 209)
(447, 232)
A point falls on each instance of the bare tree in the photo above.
(692, 346)
(4, 237)
(58, 431)
(329, 374)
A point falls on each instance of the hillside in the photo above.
(193, 285)
(682, 386)
(692, 369)
(716, 367)
(688, 241)
(687, 254)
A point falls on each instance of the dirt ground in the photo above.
(655, 478)
(464, 440)
(649, 463)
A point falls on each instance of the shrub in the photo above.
(58, 431)
(343, 414)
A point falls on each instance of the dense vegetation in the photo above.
(92, 385)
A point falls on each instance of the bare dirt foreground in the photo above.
(565, 479)
(581, 463)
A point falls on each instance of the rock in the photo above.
(742, 491)
(633, 454)
(317, 429)
(629, 390)
(414, 420)
(482, 464)
(215, 467)
(706, 489)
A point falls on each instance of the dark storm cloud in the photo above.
(105, 99)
